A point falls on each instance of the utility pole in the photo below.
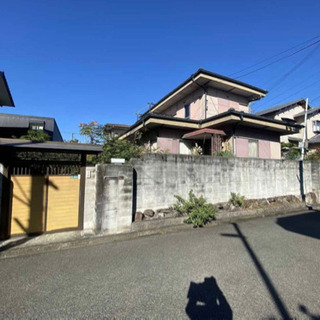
(303, 196)
(304, 130)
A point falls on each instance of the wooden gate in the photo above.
(45, 202)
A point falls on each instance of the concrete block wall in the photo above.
(89, 221)
(108, 199)
(115, 192)
(161, 176)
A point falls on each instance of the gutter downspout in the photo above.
(205, 95)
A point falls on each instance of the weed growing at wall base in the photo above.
(198, 210)
(236, 199)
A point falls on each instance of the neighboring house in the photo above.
(212, 111)
(15, 126)
(294, 111)
(116, 130)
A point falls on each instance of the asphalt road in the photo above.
(258, 269)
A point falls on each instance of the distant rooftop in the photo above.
(310, 111)
(279, 107)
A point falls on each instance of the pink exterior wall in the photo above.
(218, 101)
(242, 147)
(224, 105)
(196, 106)
(264, 149)
(166, 144)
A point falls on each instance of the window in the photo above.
(187, 111)
(253, 148)
(36, 126)
(316, 126)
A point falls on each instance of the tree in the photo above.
(94, 131)
(115, 148)
(36, 136)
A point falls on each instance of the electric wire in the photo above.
(280, 59)
(274, 56)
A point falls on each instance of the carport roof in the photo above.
(49, 146)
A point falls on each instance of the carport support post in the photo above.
(82, 189)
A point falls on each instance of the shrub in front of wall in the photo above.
(225, 154)
(236, 200)
(199, 211)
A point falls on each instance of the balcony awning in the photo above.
(202, 133)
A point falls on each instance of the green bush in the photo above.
(198, 210)
(290, 151)
(36, 136)
(313, 155)
(236, 199)
(116, 148)
(225, 154)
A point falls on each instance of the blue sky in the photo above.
(104, 60)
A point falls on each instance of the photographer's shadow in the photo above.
(207, 301)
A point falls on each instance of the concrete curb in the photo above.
(92, 240)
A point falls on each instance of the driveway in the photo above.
(257, 269)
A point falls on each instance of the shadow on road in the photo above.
(282, 309)
(307, 224)
(311, 316)
(207, 301)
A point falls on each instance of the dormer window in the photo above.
(187, 111)
(36, 125)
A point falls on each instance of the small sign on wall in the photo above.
(117, 160)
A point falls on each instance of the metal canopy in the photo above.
(202, 133)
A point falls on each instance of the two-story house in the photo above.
(15, 126)
(211, 111)
(294, 111)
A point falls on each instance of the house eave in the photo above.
(219, 121)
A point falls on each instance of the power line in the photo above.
(291, 95)
(280, 59)
(316, 98)
(294, 68)
(292, 87)
(274, 56)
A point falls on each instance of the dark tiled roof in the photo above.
(279, 107)
(310, 111)
(315, 139)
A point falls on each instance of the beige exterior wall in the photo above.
(300, 120)
(185, 147)
(275, 150)
(310, 119)
(289, 113)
